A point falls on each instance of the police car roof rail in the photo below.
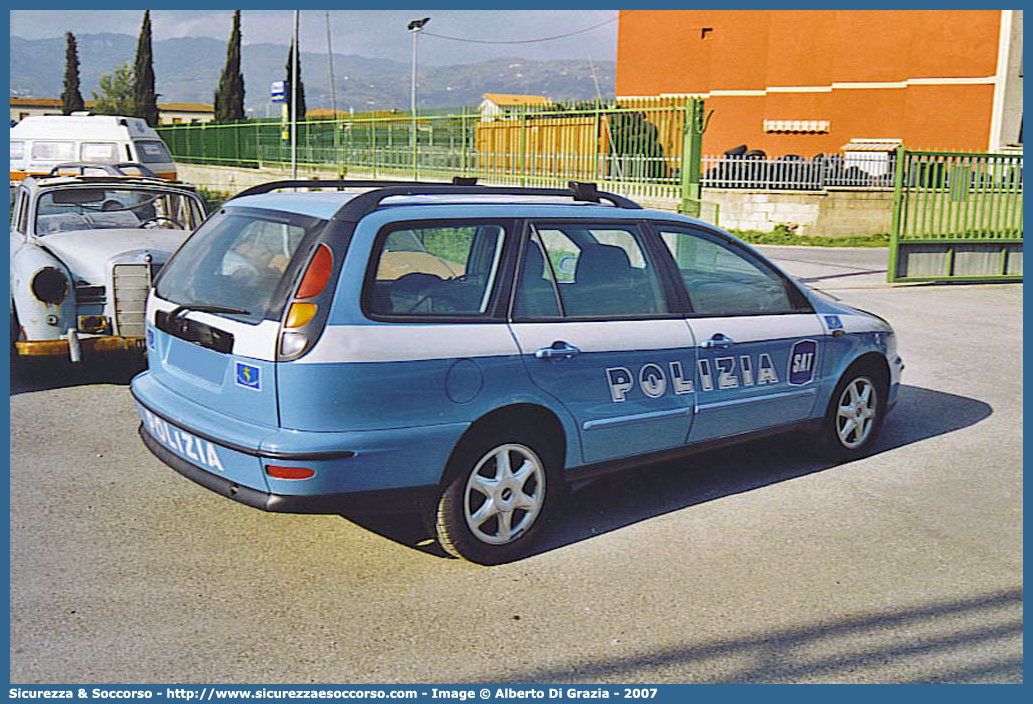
(365, 203)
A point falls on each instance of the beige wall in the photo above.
(833, 213)
(175, 117)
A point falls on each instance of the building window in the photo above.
(797, 126)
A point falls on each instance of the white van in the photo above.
(39, 143)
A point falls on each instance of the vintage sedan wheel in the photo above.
(500, 491)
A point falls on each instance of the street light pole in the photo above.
(414, 28)
(294, 102)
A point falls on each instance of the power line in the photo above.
(522, 41)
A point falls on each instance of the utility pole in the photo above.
(333, 90)
(414, 28)
(294, 102)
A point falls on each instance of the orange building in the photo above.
(809, 81)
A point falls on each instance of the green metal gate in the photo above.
(956, 217)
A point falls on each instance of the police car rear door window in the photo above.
(236, 260)
(597, 270)
(595, 329)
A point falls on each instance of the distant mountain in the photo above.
(187, 70)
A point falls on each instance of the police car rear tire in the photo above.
(855, 414)
(502, 487)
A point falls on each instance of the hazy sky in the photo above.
(371, 33)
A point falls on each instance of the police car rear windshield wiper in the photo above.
(203, 308)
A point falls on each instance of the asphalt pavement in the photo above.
(755, 564)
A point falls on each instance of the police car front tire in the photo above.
(500, 491)
(855, 414)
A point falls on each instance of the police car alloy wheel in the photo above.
(855, 414)
(491, 509)
(856, 411)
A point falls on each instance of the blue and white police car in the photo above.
(469, 352)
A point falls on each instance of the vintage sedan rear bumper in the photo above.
(87, 345)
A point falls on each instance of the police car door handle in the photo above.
(718, 341)
(558, 350)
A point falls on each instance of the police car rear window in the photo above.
(236, 260)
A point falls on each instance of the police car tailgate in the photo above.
(217, 362)
(209, 393)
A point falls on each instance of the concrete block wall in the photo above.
(833, 213)
(230, 179)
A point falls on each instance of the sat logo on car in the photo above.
(801, 362)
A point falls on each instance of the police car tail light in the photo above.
(312, 292)
(317, 274)
(299, 314)
(277, 472)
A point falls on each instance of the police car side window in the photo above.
(721, 280)
(582, 270)
(435, 270)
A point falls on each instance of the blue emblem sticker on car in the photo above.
(833, 322)
(801, 362)
(248, 376)
(150, 339)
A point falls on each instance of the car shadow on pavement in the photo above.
(970, 638)
(625, 498)
(28, 375)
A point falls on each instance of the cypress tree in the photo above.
(301, 84)
(229, 98)
(71, 98)
(145, 99)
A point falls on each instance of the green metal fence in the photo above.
(956, 217)
(635, 148)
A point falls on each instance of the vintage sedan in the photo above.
(84, 250)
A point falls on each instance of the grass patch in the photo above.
(212, 199)
(784, 236)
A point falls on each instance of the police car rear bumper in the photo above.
(410, 499)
